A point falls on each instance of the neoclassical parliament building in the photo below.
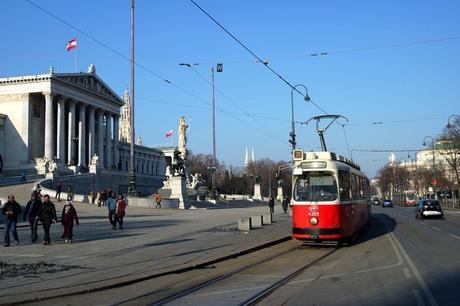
(74, 120)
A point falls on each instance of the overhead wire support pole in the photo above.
(132, 174)
(214, 166)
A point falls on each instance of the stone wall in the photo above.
(83, 184)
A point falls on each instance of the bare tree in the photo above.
(449, 141)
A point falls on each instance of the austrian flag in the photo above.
(72, 44)
(169, 133)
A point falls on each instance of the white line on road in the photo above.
(455, 236)
(422, 223)
(418, 298)
(407, 273)
(416, 273)
(436, 228)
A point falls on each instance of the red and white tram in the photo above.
(330, 197)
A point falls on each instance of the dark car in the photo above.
(387, 203)
(428, 208)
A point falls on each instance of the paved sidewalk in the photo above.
(153, 241)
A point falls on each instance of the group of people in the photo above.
(100, 197)
(44, 211)
(38, 211)
(284, 205)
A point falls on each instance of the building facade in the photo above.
(72, 119)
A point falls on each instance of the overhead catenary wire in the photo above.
(150, 71)
(259, 59)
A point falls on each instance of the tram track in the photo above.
(101, 286)
(262, 291)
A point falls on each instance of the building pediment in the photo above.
(89, 82)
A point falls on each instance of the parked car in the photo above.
(428, 208)
(387, 203)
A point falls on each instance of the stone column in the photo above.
(100, 138)
(49, 126)
(61, 130)
(91, 134)
(71, 135)
(116, 125)
(108, 141)
(82, 136)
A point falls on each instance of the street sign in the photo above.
(220, 67)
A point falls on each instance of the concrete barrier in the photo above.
(256, 221)
(267, 219)
(244, 224)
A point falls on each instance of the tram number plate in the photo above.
(313, 211)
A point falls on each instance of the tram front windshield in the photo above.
(315, 187)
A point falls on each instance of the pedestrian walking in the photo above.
(11, 211)
(271, 204)
(99, 198)
(58, 191)
(32, 209)
(112, 206)
(69, 215)
(158, 200)
(92, 195)
(70, 193)
(120, 211)
(23, 176)
(47, 215)
(38, 189)
(285, 204)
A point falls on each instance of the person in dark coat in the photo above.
(69, 215)
(285, 204)
(11, 211)
(47, 215)
(120, 211)
(271, 204)
(32, 209)
(58, 191)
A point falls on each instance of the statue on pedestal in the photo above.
(52, 166)
(182, 140)
(94, 160)
(257, 178)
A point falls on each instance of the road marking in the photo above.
(418, 298)
(416, 273)
(422, 223)
(455, 236)
(407, 273)
(436, 228)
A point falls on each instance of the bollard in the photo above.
(256, 221)
(244, 224)
(267, 219)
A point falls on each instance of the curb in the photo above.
(152, 276)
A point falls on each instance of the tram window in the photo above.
(316, 186)
(344, 183)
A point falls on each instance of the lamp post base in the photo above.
(132, 185)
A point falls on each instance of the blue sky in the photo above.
(412, 89)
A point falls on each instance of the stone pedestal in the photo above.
(179, 190)
(279, 194)
(257, 194)
(94, 169)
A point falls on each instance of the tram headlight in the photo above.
(314, 220)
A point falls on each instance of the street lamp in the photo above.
(307, 99)
(448, 121)
(434, 161)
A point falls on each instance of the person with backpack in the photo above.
(69, 215)
(32, 209)
(11, 211)
(47, 215)
(120, 211)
